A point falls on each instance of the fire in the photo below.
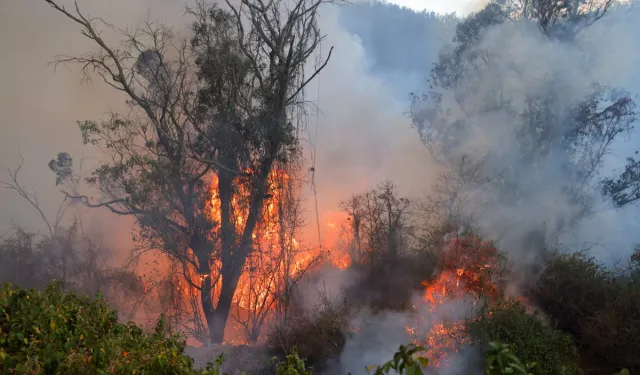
(276, 256)
(341, 260)
(467, 265)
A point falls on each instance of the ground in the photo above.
(237, 359)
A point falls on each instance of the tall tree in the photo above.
(215, 113)
(478, 89)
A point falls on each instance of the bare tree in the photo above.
(223, 107)
(53, 225)
(379, 224)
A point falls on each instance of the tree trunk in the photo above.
(207, 305)
(218, 321)
(233, 262)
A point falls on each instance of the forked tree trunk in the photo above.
(234, 258)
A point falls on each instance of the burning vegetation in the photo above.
(208, 163)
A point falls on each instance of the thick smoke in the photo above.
(40, 107)
(379, 336)
(568, 74)
(360, 138)
(544, 216)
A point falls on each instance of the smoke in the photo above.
(360, 138)
(40, 107)
(542, 214)
(362, 134)
(379, 336)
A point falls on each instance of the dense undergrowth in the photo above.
(599, 306)
(53, 331)
(531, 339)
(581, 310)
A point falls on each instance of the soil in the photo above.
(254, 360)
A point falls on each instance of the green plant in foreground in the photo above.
(405, 361)
(499, 360)
(52, 331)
(528, 336)
(292, 365)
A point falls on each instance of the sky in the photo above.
(461, 7)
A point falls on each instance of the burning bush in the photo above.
(475, 261)
(529, 337)
(600, 307)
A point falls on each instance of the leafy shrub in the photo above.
(293, 365)
(56, 332)
(529, 338)
(573, 288)
(405, 361)
(500, 360)
(599, 306)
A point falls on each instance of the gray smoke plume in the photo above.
(541, 214)
(538, 213)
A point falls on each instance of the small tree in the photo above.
(379, 224)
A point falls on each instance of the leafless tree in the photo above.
(379, 224)
(53, 225)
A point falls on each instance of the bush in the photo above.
(56, 332)
(599, 306)
(316, 336)
(529, 338)
(573, 288)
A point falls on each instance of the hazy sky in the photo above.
(462, 7)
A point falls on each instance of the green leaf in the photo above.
(488, 360)
(423, 361)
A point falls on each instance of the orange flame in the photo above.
(466, 265)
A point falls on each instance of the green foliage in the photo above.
(62, 165)
(499, 360)
(573, 288)
(528, 337)
(56, 332)
(405, 361)
(293, 365)
(599, 306)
